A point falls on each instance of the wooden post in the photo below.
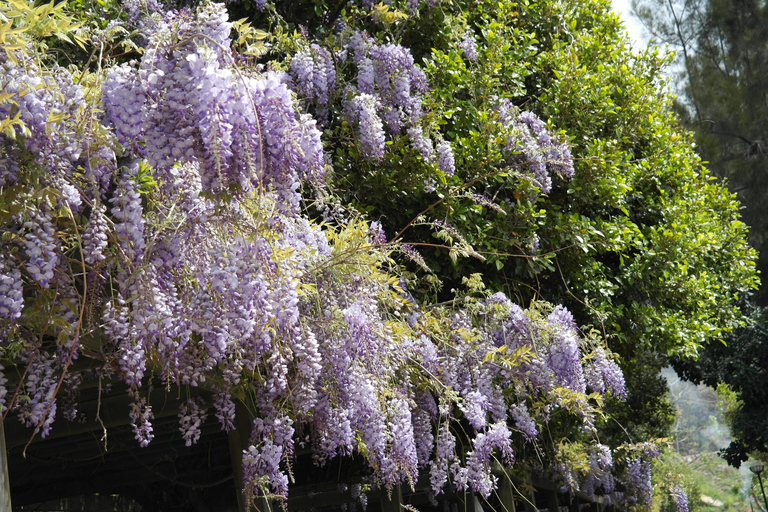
(392, 503)
(574, 506)
(5, 484)
(474, 504)
(529, 502)
(506, 494)
(238, 441)
(552, 503)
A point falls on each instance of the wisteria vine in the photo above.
(171, 225)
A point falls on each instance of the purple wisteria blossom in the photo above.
(680, 499)
(192, 414)
(445, 159)
(11, 298)
(531, 147)
(523, 421)
(314, 74)
(95, 235)
(603, 374)
(41, 247)
(468, 47)
(362, 112)
(639, 480)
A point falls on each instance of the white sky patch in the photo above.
(633, 25)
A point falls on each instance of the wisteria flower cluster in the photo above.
(387, 101)
(530, 145)
(188, 104)
(314, 74)
(680, 499)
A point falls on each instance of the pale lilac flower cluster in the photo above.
(314, 75)
(366, 80)
(11, 298)
(603, 374)
(131, 353)
(534, 245)
(48, 105)
(603, 456)
(71, 386)
(39, 410)
(564, 354)
(41, 247)
(186, 105)
(271, 441)
(213, 21)
(444, 457)
(261, 468)
(70, 196)
(486, 202)
(404, 457)
(32, 99)
(650, 450)
(388, 93)
(9, 163)
(477, 474)
(362, 112)
(291, 144)
(680, 499)
(412, 254)
(422, 434)
(468, 46)
(513, 327)
(334, 434)
(445, 158)
(141, 416)
(556, 154)
(303, 73)
(136, 10)
(366, 415)
(523, 421)
(376, 235)
(95, 235)
(638, 481)
(530, 145)
(124, 96)
(421, 144)
(192, 415)
(129, 222)
(562, 317)
(600, 475)
(3, 389)
(225, 409)
(554, 357)
(475, 408)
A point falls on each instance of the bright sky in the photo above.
(634, 27)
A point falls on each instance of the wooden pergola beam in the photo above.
(5, 483)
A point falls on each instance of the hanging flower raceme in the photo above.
(314, 78)
(187, 103)
(680, 499)
(530, 146)
(389, 95)
(11, 299)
